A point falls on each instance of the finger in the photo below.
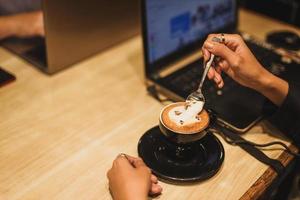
(206, 54)
(134, 161)
(218, 79)
(211, 73)
(223, 64)
(155, 189)
(130, 158)
(108, 174)
(122, 161)
(221, 84)
(221, 50)
(218, 69)
(42, 33)
(154, 179)
(138, 163)
(229, 38)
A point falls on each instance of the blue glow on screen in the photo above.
(174, 24)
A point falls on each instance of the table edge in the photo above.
(263, 182)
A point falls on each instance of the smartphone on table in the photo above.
(6, 77)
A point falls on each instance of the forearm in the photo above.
(286, 96)
(22, 25)
(7, 26)
(287, 117)
(273, 87)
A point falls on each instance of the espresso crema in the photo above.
(185, 118)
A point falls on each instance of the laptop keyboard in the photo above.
(237, 98)
(187, 79)
(265, 56)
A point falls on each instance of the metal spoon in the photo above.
(198, 95)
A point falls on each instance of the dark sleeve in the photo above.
(287, 117)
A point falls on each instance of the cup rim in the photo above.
(178, 132)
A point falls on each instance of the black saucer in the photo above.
(195, 161)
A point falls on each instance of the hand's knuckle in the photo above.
(238, 61)
(117, 161)
(147, 170)
(210, 35)
(108, 174)
(238, 37)
(217, 48)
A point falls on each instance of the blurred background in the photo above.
(284, 10)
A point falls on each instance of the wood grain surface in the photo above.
(59, 134)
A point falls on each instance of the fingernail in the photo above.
(206, 54)
(209, 45)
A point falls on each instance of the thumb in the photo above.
(135, 162)
(138, 163)
(224, 52)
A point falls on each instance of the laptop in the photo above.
(175, 29)
(76, 30)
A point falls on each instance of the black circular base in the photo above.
(191, 162)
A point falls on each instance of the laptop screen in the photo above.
(174, 25)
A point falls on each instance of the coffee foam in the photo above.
(185, 118)
(186, 114)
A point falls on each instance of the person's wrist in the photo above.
(273, 87)
(265, 82)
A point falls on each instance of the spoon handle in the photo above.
(206, 69)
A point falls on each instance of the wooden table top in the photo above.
(59, 134)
